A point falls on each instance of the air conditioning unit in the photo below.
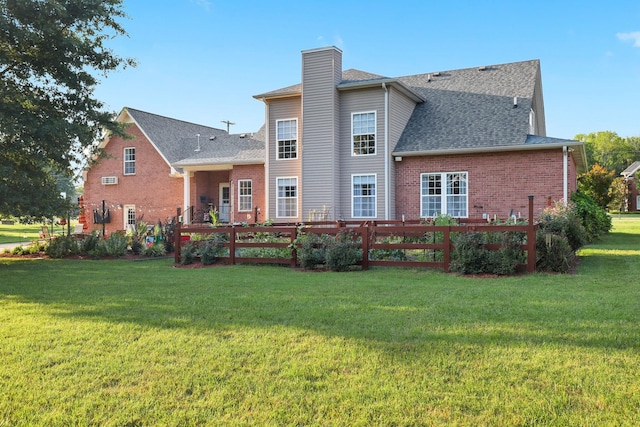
(109, 180)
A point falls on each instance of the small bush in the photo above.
(343, 252)
(62, 246)
(89, 243)
(115, 245)
(470, 256)
(593, 218)
(562, 220)
(553, 253)
(155, 250)
(312, 249)
(209, 252)
(188, 253)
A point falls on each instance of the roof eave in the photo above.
(365, 84)
(581, 163)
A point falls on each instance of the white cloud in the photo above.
(633, 37)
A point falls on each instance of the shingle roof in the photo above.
(470, 108)
(177, 141)
(632, 169)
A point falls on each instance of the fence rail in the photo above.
(237, 237)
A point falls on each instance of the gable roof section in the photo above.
(176, 141)
(470, 108)
(631, 170)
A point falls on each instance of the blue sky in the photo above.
(203, 60)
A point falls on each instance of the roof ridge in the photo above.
(173, 119)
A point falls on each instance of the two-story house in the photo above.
(468, 143)
(350, 145)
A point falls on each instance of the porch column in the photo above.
(186, 196)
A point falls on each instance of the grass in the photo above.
(22, 233)
(141, 343)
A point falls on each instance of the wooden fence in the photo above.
(405, 233)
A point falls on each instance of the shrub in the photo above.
(553, 253)
(312, 249)
(155, 250)
(209, 251)
(343, 251)
(593, 218)
(89, 244)
(470, 255)
(562, 220)
(115, 245)
(62, 246)
(188, 253)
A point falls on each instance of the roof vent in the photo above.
(211, 138)
(515, 102)
(243, 135)
(436, 74)
(482, 68)
(428, 77)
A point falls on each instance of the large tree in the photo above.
(610, 150)
(52, 53)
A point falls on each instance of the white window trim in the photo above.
(375, 133)
(375, 197)
(277, 145)
(443, 196)
(125, 161)
(240, 195)
(278, 197)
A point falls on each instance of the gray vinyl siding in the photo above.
(400, 110)
(282, 109)
(538, 106)
(360, 101)
(321, 72)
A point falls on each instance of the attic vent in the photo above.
(436, 74)
(243, 135)
(482, 68)
(109, 180)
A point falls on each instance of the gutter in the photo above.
(386, 152)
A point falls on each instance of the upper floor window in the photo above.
(444, 194)
(287, 139)
(363, 131)
(287, 203)
(364, 196)
(532, 122)
(244, 195)
(130, 161)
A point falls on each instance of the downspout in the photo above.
(186, 196)
(386, 152)
(267, 178)
(565, 174)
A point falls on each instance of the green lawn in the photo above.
(120, 343)
(26, 232)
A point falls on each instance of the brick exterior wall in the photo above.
(498, 182)
(256, 174)
(152, 190)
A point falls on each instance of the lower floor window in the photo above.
(364, 196)
(244, 195)
(287, 200)
(444, 193)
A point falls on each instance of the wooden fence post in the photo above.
(294, 252)
(447, 247)
(177, 240)
(365, 246)
(232, 246)
(531, 240)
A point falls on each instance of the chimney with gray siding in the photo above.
(321, 73)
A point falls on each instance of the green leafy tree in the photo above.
(618, 193)
(52, 54)
(596, 183)
(610, 150)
